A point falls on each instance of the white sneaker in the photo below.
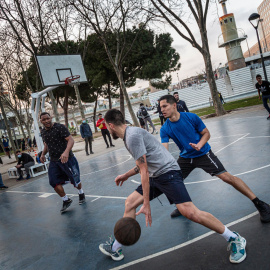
(237, 248)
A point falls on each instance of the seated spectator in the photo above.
(24, 161)
(2, 186)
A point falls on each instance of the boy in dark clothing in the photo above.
(24, 161)
(161, 117)
(264, 88)
(87, 135)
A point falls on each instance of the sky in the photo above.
(191, 60)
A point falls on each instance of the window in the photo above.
(220, 23)
(225, 21)
(231, 19)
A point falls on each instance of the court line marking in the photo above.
(136, 182)
(214, 179)
(182, 245)
(95, 199)
(108, 167)
(232, 142)
(45, 195)
(91, 196)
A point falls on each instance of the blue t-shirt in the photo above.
(184, 131)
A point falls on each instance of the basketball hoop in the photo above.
(72, 80)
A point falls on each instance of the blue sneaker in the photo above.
(107, 250)
(237, 247)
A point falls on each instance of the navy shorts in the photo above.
(208, 162)
(63, 173)
(171, 184)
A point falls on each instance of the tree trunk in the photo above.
(8, 128)
(54, 107)
(109, 96)
(122, 102)
(65, 108)
(95, 111)
(77, 92)
(130, 109)
(209, 72)
(74, 118)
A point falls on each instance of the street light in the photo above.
(254, 19)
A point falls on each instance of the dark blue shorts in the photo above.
(63, 173)
(171, 184)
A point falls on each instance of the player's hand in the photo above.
(260, 98)
(120, 179)
(64, 157)
(195, 146)
(145, 209)
(42, 158)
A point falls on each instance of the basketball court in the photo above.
(34, 235)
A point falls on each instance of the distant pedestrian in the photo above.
(221, 98)
(146, 118)
(264, 88)
(29, 143)
(6, 145)
(104, 131)
(181, 104)
(161, 117)
(87, 135)
(24, 161)
(23, 144)
(142, 124)
(2, 186)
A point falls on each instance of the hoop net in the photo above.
(73, 80)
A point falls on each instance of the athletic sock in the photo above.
(80, 191)
(116, 245)
(228, 234)
(256, 201)
(65, 198)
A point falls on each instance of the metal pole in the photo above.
(264, 70)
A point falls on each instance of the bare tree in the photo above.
(29, 23)
(173, 12)
(114, 16)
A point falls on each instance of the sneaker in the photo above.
(264, 210)
(66, 205)
(81, 198)
(107, 250)
(237, 247)
(3, 187)
(87, 154)
(108, 146)
(20, 178)
(156, 132)
(92, 152)
(112, 145)
(28, 176)
(175, 213)
(268, 117)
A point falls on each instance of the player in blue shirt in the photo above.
(190, 134)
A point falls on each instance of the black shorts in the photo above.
(208, 162)
(141, 122)
(171, 184)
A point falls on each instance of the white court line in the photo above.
(232, 143)
(95, 199)
(182, 245)
(45, 195)
(91, 196)
(214, 179)
(109, 167)
(136, 182)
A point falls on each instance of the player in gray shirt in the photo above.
(160, 174)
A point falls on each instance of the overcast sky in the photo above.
(190, 58)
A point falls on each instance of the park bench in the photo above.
(35, 170)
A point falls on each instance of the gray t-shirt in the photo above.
(139, 142)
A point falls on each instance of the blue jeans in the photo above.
(1, 181)
(264, 99)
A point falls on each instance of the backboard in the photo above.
(54, 69)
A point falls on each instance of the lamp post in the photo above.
(255, 17)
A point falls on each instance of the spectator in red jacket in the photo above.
(104, 131)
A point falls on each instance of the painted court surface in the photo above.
(34, 235)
